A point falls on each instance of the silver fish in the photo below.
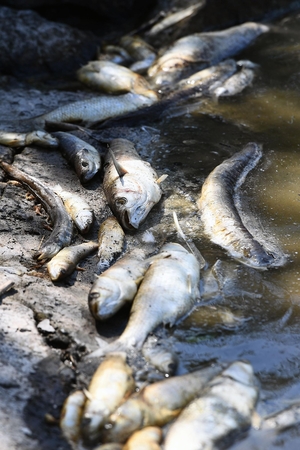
(148, 438)
(167, 293)
(130, 184)
(157, 403)
(65, 261)
(117, 285)
(82, 156)
(225, 409)
(40, 138)
(111, 384)
(201, 50)
(236, 83)
(62, 223)
(114, 79)
(219, 214)
(71, 414)
(96, 109)
(81, 213)
(111, 238)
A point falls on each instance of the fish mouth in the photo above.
(136, 217)
(128, 223)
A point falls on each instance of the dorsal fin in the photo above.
(161, 179)
(121, 171)
(192, 247)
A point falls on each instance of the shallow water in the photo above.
(263, 327)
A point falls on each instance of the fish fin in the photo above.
(192, 247)
(121, 171)
(162, 178)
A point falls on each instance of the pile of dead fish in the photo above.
(197, 410)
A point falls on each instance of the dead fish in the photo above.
(111, 238)
(117, 285)
(71, 413)
(81, 213)
(111, 384)
(96, 109)
(174, 19)
(114, 79)
(211, 318)
(141, 52)
(236, 83)
(224, 410)
(282, 419)
(64, 262)
(168, 292)
(201, 50)
(148, 438)
(40, 138)
(130, 184)
(219, 214)
(62, 223)
(206, 78)
(157, 403)
(160, 356)
(82, 156)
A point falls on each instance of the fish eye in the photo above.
(121, 201)
(84, 164)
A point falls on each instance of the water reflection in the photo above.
(258, 312)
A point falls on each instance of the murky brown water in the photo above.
(191, 146)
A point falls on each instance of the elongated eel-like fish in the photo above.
(62, 223)
(219, 214)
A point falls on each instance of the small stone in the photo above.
(45, 326)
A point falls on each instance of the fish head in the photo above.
(47, 251)
(257, 257)
(86, 166)
(131, 204)
(57, 270)
(240, 371)
(104, 298)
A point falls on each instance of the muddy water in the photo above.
(253, 314)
